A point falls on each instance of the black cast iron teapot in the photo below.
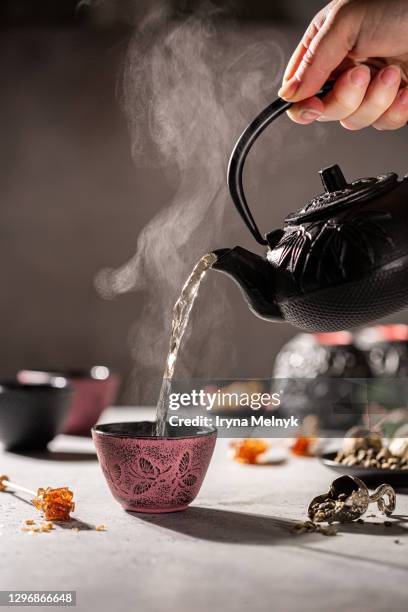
(339, 262)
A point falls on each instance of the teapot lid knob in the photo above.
(338, 194)
(333, 179)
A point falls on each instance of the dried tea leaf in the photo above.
(310, 527)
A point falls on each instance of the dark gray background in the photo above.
(73, 201)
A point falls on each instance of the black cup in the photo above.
(32, 415)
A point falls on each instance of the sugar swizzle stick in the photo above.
(56, 504)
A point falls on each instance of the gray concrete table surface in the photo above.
(232, 550)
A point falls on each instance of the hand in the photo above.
(363, 44)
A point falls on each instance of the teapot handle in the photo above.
(241, 150)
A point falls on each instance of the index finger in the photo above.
(320, 56)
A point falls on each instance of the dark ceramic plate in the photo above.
(372, 476)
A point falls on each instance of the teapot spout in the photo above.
(255, 277)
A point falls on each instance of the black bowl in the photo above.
(32, 415)
(369, 475)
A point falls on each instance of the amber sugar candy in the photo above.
(56, 504)
(306, 440)
(248, 450)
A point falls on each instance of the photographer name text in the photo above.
(229, 422)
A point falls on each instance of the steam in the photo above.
(190, 86)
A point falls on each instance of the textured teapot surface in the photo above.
(342, 234)
(339, 195)
(339, 262)
(346, 252)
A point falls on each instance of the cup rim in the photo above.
(74, 373)
(14, 385)
(201, 432)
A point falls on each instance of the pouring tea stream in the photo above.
(181, 315)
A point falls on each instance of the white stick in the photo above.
(15, 487)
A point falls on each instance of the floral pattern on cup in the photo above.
(154, 474)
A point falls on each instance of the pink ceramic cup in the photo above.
(146, 473)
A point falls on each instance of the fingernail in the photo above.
(360, 76)
(390, 76)
(403, 96)
(288, 90)
(310, 115)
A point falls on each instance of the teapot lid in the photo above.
(338, 194)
